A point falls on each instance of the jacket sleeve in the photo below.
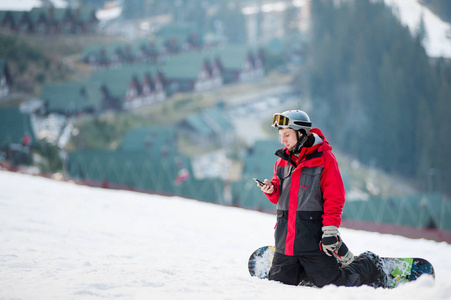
(274, 197)
(333, 191)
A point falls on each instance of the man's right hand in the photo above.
(267, 187)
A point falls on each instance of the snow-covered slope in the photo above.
(410, 13)
(63, 241)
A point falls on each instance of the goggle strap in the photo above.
(302, 123)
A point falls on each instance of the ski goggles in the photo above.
(282, 121)
(278, 121)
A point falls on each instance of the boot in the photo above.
(379, 277)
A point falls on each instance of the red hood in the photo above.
(324, 144)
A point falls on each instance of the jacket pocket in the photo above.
(310, 195)
(308, 228)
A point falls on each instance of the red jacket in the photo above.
(309, 194)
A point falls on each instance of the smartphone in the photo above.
(258, 181)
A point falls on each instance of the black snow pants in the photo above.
(321, 270)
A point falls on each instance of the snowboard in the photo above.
(399, 270)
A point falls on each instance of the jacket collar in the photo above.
(320, 141)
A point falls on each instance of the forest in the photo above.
(381, 98)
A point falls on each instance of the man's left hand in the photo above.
(330, 241)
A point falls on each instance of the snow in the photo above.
(410, 12)
(59, 240)
(28, 4)
(109, 14)
(19, 4)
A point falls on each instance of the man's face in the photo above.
(289, 137)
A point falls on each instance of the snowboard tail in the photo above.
(398, 270)
(401, 270)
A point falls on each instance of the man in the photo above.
(308, 190)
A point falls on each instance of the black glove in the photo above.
(343, 255)
(330, 242)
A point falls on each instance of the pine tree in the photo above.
(376, 92)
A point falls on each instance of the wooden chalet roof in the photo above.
(85, 14)
(54, 15)
(231, 56)
(70, 97)
(14, 16)
(187, 65)
(112, 49)
(117, 80)
(93, 92)
(138, 44)
(36, 14)
(95, 50)
(184, 65)
(114, 80)
(59, 14)
(169, 32)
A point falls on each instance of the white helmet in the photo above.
(294, 119)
